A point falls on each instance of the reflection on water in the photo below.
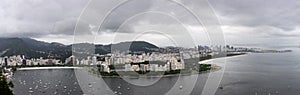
(253, 74)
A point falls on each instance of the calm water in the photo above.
(46, 82)
(261, 74)
(277, 74)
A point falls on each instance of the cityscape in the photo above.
(169, 61)
(149, 47)
(172, 58)
(125, 58)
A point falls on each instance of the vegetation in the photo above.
(235, 54)
(117, 66)
(35, 49)
(196, 68)
(192, 66)
(4, 86)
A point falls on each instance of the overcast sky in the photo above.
(272, 22)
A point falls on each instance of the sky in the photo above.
(258, 22)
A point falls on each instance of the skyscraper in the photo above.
(182, 60)
(24, 62)
(5, 62)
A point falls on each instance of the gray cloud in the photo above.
(124, 11)
(36, 18)
(281, 14)
(40, 18)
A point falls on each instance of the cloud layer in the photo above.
(37, 18)
(275, 21)
(250, 21)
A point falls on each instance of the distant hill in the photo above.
(34, 49)
(135, 46)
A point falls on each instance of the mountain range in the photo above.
(32, 48)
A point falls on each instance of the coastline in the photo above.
(214, 68)
(212, 59)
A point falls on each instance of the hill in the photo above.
(35, 49)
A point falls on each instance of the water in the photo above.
(46, 82)
(274, 73)
(253, 74)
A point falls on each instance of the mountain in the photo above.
(35, 49)
(135, 46)
(131, 47)
(32, 48)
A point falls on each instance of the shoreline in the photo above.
(214, 68)
(212, 59)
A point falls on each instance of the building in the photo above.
(24, 62)
(5, 62)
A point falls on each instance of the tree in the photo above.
(4, 87)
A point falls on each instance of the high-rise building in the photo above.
(182, 60)
(24, 62)
(5, 62)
